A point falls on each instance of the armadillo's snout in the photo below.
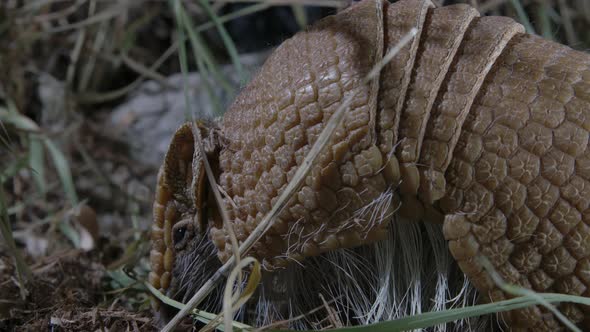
(181, 249)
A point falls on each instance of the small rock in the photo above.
(149, 118)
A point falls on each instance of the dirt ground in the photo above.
(66, 292)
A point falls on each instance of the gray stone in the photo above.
(148, 119)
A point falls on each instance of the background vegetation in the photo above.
(74, 207)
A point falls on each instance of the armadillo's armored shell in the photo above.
(274, 122)
(481, 123)
(518, 189)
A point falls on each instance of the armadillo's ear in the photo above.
(178, 161)
(183, 171)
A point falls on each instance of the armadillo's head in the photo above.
(182, 253)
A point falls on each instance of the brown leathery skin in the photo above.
(474, 122)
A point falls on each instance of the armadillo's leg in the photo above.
(519, 181)
(399, 19)
(442, 34)
(483, 43)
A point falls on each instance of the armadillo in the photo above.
(474, 123)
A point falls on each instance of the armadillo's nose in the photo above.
(178, 194)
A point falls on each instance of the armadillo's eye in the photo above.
(181, 233)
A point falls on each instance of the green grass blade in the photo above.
(523, 18)
(237, 14)
(216, 103)
(204, 74)
(96, 97)
(441, 317)
(37, 162)
(17, 120)
(66, 228)
(203, 61)
(521, 291)
(200, 315)
(570, 31)
(227, 41)
(542, 13)
(182, 57)
(10, 170)
(201, 50)
(204, 70)
(300, 16)
(4, 136)
(63, 170)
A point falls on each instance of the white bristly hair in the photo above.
(408, 273)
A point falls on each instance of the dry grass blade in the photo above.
(490, 5)
(144, 71)
(232, 302)
(105, 15)
(63, 170)
(220, 203)
(90, 98)
(184, 23)
(292, 187)
(23, 271)
(75, 54)
(392, 52)
(202, 316)
(23, 123)
(34, 6)
(93, 97)
(280, 323)
(193, 36)
(299, 177)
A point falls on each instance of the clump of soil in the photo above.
(62, 295)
